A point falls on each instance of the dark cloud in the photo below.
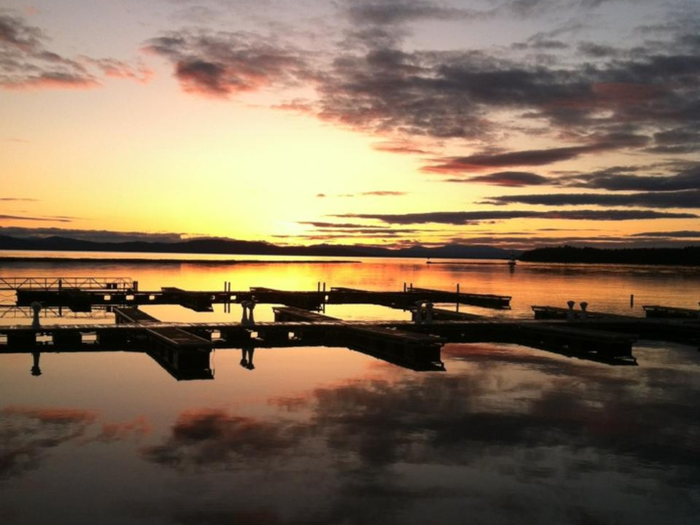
(17, 199)
(539, 157)
(679, 140)
(507, 178)
(201, 438)
(26, 62)
(39, 219)
(669, 199)
(593, 50)
(619, 179)
(475, 217)
(28, 433)
(228, 63)
(606, 99)
(320, 224)
(391, 12)
(535, 157)
(683, 234)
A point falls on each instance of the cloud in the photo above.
(680, 140)
(683, 234)
(393, 12)
(27, 63)
(321, 224)
(670, 199)
(399, 147)
(28, 433)
(619, 179)
(512, 179)
(535, 157)
(374, 193)
(229, 63)
(375, 440)
(475, 217)
(39, 219)
(17, 199)
(597, 99)
(204, 437)
(111, 67)
(120, 431)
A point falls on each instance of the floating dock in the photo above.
(412, 350)
(184, 348)
(669, 312)
(78, 299)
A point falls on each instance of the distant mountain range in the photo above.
(234, 247)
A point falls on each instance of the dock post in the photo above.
(244, 318)
(457, 299)
(428, 313)
(324, 286)
(631, 300)
(136, 286)
(584, 306)
(418, 312)
(570, 314)
(251, 307)
(404, 287)
(318, 286)
(36, 369)
(36, 308)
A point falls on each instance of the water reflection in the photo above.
(504, 428)
(485, 441)
(325, 435)
(247, 352)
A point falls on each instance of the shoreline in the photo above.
(102, 260)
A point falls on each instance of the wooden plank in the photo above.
(656, 311)
(555, 312)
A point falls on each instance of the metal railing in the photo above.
(51, 312)
(57, 283)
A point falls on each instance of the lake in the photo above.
(317, 435)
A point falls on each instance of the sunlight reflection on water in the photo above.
(328, 435)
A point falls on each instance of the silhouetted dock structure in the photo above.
(554, 312)
(414, 350)
(669, 312)
(184, 348)
(124, 292)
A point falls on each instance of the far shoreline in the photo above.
(144, 261)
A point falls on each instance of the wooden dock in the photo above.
(184, 348)
(409, 349)
(554, 312)
(81, 299)
(584, 340)
(670, 312)
(182, 353)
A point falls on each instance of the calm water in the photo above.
(321, 435)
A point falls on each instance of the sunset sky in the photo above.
(513, 123)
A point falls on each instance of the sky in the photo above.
(512, 123)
